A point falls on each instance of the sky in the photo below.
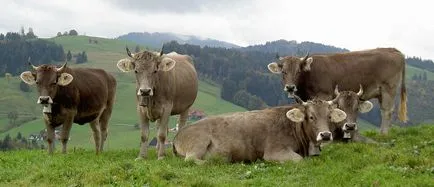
(355, 25)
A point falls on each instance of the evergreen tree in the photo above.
(68, 56)
(2, 36)
(137, 49)
(424, 77)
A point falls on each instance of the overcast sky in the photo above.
(406, 25)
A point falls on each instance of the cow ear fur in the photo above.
(28, 78)
(365, 106)
(337, 115)
(295, 115)
(166, 64)
(125, 65)
(274, 68)
(64, 79)
(307, 64)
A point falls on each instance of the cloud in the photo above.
(406, 25)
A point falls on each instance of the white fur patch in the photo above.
(46, 109)
(347, 135)
(295, 115)
(28, 78)
(365, 106)
(274, 68)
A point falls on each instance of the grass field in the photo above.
(403, 158)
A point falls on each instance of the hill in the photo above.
(122, 132)
(403, 158)
(157, 39)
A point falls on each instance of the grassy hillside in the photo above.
(410, 71)
(404, 158)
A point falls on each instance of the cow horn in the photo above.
(62, 67)
(34, 67)
(299, 100)
(336, 90)
(128, 52)
(305, 57)
(360, 91)
(162, 49)
(336, 97)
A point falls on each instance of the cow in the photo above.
(73, 95)
(379, 71)
(274, 134)
(166, 84)
(350, 103)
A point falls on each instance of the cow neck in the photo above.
(302, 138)
(65, 96)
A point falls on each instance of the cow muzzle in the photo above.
(348, 128)
(291, 89)
(145, 92)
(45, 100)
(324, 136)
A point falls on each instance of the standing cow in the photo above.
(166, 85)
(379, 71)
(79, 95)
(274, 134)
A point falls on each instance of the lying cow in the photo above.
(379, 71)
(273, 134)
(350, 103)
(166, 85)
(79, 95)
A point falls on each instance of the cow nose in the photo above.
(290, 88)
(145, 91)
(326, 136)
(44, 100)
(350, 126)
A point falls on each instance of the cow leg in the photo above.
(103, 122)
(50, 137)
(282, 156)
(386, 105)
(94, 125)
(64, 135)
(162, 131)
(183, 119)
(144, 128)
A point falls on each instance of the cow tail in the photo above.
(403, 106)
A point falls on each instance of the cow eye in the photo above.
(155, 71)
(135, 71)
(311, 117)
(284, 72)
(53, 83)
(37, 82)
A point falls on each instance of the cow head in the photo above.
(291, 68)
(316, 116)
(47, 78)
(147, 66)
(351, 104)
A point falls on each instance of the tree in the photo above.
(12, 36)
(30, 34)
(73, 32)
(424, 77)
(79, 59)
(22, 31)
(59, 34)
(84, 56)
(68, 56)
(7, 143)
(19, 136)
(137, 49)
(12, 116)
(65, 33)
(414, 77)
(2, 36)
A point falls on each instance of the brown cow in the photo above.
(350, 103)
(79, 95)
(274, 134)
(163, 89)
(379, 71)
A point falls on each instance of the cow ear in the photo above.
(125, 65)
(166, 64)
(274, 68)
(295, 115)
(365, 106)
(28, 78)
(337, 115)
(306, 65)
(64, 79)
